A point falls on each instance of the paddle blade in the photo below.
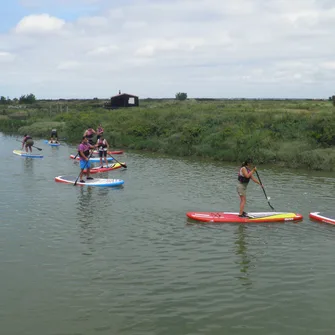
(123, 165)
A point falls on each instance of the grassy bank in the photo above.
(289, 133)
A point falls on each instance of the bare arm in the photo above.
(246, 173)
(255, 180)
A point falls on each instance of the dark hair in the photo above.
(25, 135)
(83, 137)
(247, 161)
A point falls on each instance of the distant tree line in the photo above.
(24, 99)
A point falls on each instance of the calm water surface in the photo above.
(80, 260)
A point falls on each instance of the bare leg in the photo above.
(243, 200)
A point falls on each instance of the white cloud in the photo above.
(213, 48)
(145, 51)
(134, 25)
(68, 65)
(42, 23)
(94, 21)
(6, 57)
(103, 50)
(330, 65)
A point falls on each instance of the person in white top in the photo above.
(103, 146)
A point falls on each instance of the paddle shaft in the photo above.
(123, 165)
(32, 145)
(75, 183)
(263, 189)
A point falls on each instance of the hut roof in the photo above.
(125, 94)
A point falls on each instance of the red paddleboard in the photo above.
(322, 217)
(253, 217)
(92, 159)
(99, 169)
(115, 152)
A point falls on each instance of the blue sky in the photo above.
(14, 10)
(212, 48)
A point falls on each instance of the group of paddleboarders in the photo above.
(90, 132)
(244, 175)
(85, 147)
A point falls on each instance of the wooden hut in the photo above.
(124, 100)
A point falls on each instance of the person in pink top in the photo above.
(100, 131)
(89, 133)
(84, 153)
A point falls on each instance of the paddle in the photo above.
(267, 198)
(123, 165)
(32, 145)
(75, 183)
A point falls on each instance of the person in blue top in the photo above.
(244, 176)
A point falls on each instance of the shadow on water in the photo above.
(241, 251)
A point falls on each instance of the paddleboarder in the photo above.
(89, 133)
(27, 142)
(54, 135)
(103, 146)
(84, 154)
(244, 176)
(100, 131)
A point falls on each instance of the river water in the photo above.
(81, 260)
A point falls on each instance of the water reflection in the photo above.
(86, 210)
(241, 251)
(28, 166)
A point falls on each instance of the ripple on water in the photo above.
(80, 260)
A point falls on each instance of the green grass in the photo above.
(289, 133)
